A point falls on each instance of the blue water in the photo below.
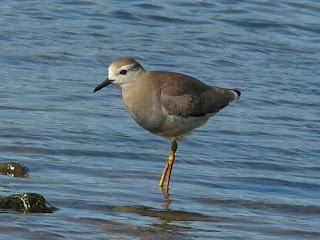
(252, 172)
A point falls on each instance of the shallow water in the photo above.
(252, 172)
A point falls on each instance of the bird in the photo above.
(167, 104)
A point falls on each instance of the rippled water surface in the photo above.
(252, 172)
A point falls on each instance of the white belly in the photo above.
(177, 126)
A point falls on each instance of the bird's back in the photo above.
(182, 95)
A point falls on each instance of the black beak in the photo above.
(103, 84)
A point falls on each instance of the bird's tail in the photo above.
(237, 94)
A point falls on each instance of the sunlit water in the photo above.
(252, 172)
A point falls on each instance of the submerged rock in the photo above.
(13, 169)
(26, 203)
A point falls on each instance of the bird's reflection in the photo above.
(166, 197)
(166, 216)
(167, 219)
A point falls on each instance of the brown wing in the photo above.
(182, 95)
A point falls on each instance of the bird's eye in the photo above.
(123, 72)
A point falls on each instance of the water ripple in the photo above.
(250, 173)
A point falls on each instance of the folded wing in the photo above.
(188, 97)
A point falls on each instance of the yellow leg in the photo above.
(169, 165)
(164, 174)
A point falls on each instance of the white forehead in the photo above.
(121, 63)
(113, 68)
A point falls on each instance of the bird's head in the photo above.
(121, 72)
